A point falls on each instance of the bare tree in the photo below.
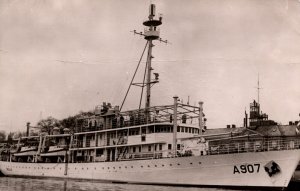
(2, 136)
(48, 124)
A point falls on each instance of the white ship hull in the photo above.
(210, 170)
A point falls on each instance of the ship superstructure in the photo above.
(156, 145)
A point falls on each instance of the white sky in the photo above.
(217, 50)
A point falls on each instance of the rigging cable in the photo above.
(141, 98)
(133, 76)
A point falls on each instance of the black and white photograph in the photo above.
(149, 95)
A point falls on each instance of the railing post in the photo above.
(175, 125)
(200, 117)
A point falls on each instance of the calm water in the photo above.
(29, 184)
(34, 184)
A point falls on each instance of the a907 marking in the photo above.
(246, 168)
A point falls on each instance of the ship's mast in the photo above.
(258, 88)
(151, 33)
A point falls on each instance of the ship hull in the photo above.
(229, 170)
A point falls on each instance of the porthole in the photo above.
(107, 167)
(162, 165)
(125, 166)
(114, 168)
(131, 166)
(119, 167)
(155, 165)
(149, 166)
(170, 164)
(141, 166)
(178, 164)
(199, 162)
(191, 163)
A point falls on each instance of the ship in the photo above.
(156, 145)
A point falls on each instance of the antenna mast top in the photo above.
(258, 88)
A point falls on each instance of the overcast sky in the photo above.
(59, 57)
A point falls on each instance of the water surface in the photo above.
(30, 184)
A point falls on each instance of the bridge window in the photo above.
(160, 147)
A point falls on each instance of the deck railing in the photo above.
(253, 145)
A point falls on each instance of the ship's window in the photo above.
(75, 168)
(160, 147)
(178, 146)
(114, 168)
(178, 129)
(143, 138)
(131, 166)
(178, 164)
(169, 146)
(133, 149)
(87, 168)
(103, 168)
(162, 165)
(119, 167)
(82, 168)
(191, 163)
(149, 148)
(140, 149)
(182, 129)
(186, 129)
(95, 168)
(125, 166)
(190, 130)
(170, 164)
(149, 166)
(141, 166)
(199, 162)
(107, 167)
(193, 130)
(155, 165)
